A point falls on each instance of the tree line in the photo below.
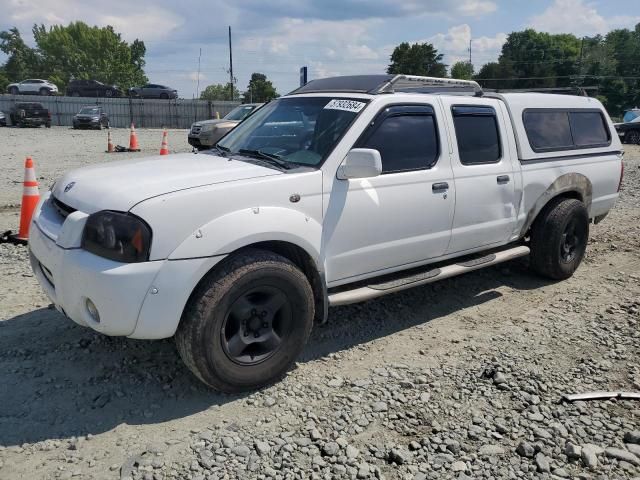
(532, 60)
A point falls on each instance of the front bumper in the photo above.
(139, 300)
(86, 123)
(200, 142)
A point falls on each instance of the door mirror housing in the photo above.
(360, 163)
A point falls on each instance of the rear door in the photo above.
(485, 211)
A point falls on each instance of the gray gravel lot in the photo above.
(456, 380)
(57, 150)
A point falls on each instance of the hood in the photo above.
(218, 122)
(121, 185)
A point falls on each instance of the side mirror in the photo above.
(360, 163)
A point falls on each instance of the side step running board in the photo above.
(378, 290)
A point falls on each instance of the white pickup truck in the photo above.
(347, 189)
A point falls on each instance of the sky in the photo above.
(330, 37)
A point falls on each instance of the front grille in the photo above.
(196, 129)
(63, 209)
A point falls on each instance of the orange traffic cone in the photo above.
(164, 148)
(109, 142)
(30, 198)
(133, 140)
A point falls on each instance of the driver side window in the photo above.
(406, 138)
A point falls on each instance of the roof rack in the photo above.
(414, 83)
(383, 84)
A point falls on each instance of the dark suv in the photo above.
(92, 88)
(91, 116)
(30, 114)
(153, 90)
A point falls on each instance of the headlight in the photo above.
(118, 236)
(207, 127)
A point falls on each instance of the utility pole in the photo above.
(230, 65)
(198, 82)
(470, 40)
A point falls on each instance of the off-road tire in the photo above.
(547, 238)
(200, 335)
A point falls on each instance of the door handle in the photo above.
(502, 179)
(440, 187)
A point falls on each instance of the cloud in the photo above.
(475, 8)
(578, 17)
(455, 45)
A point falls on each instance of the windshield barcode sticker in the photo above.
(346, 105)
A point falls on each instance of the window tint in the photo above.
(548, 130)
(405, 141)
(588, 129)
(477, 134)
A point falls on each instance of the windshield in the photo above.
(631, 115)
(90, 111)
(301, 130)
(240, 112)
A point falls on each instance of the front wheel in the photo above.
(633, 137)
(559, 238)
(44, 92)
(247, 322)
(13, 91)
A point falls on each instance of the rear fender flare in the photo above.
(569, 182)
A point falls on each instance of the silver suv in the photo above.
(205, 134)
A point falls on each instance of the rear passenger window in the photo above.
(556, 130)
(405, 137)
(477, 134)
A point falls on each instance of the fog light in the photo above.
(93, 311)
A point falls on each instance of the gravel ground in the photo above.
(460, 379)
(57, 150)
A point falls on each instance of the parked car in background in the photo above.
(204, 135)
(629, 130)
(32, 86)
(91, 116)
(30, 114)
(153, 90)
(92, 88)
(3, 120)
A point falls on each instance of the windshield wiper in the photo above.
(223, 150)
(269, 157)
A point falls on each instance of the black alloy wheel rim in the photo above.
(571, 242)
(254, 325)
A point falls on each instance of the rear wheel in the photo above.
(247, 322)
(559, 238)
(633, 137)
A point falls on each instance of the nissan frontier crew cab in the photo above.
(347, 189)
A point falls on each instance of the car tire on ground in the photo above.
(164, 96)
(559, 238)
(633, 137)
(108, 93)
(246, 322)
(14, 91)
(75, 94)
(48, 124)
(44, 92)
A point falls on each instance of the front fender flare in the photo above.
(241, 228)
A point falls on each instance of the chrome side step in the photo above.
(378, 290)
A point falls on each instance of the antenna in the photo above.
(230, 65)
(198, 81)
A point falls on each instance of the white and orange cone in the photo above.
(109, 142)
(133, 140)
(30, 198)
(164, 148)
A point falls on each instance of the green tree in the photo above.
(462, 70)
(22, 60)
(493, 74)
(259, 89)
(80, 51)
(417, 59)
(218, 91)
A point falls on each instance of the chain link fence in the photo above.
(144, 113)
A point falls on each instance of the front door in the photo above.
(485, 212)
(402, 216)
